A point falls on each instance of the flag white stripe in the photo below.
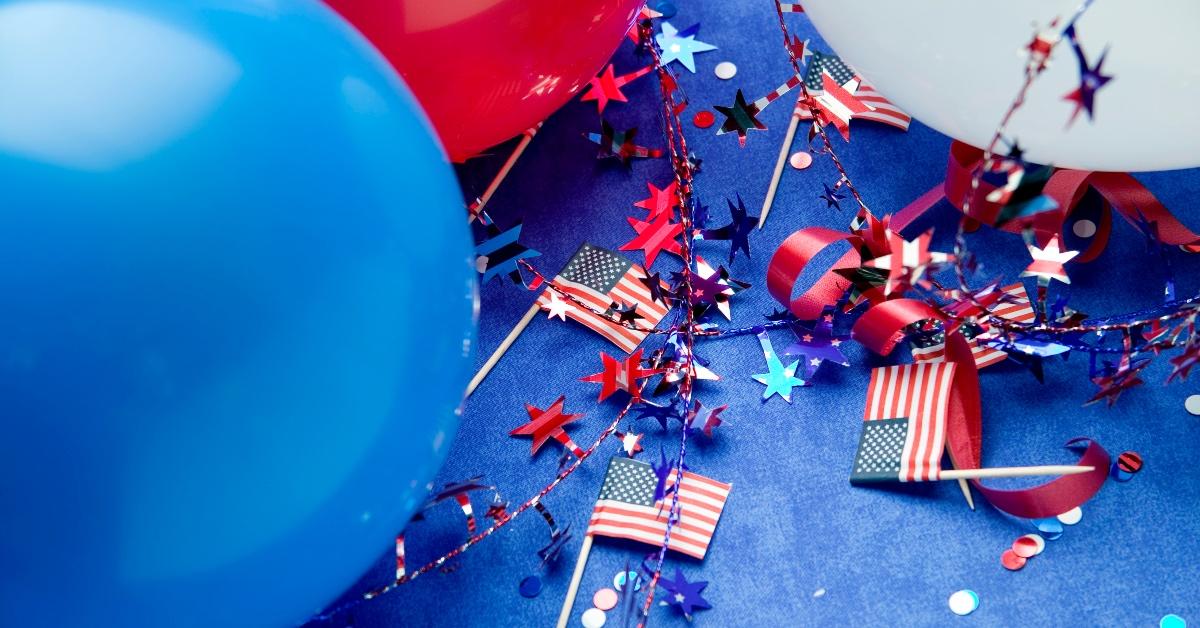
(646, 519)
(651, 538)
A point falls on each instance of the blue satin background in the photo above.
(237, 309)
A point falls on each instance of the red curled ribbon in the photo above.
(789, 260)
(881, 328)
(1118, 190)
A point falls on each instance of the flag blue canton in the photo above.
(629, 481)
(880, 451)
(597, 268)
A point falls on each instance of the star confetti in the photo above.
(654, 237)
(661, 201)
(740, 117)
(908, 261)
(683, 595)
(1091, 79)
(655, 285)
(546, 424)
(831, 196)
(837, 104)
(1182, 364)
(607, 86)
(680, 46)
(1048, 262)
(500, 254)
(620, 375)
(778, 379)
(737, 231)
(619, 145)
(711, 422)
(817, 343)
(1123, 378)
(662, 471)
(558, 540)
(631, 443)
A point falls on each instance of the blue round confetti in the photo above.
(1120, 474)
(1050, 528)
(622, 577)
(666, 7)
(531, 587)
(1172, 621)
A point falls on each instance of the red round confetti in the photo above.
(1011, 560)
(1024, 547)
(800, 160)
(1129, 462)
(704, 119)
(605, 599)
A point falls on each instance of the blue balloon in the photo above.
(237, 310)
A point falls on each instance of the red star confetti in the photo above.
(607, 86)
(908, 262)
(654, 237)
(661, 201)
(546, 424)
(1048, 262)
(620, 375)
(837, 104)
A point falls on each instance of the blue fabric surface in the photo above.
(793, 524)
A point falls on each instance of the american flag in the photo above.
(882, 109)
(1013, 305)
(626, 507)
(904, 425)
(601, 279)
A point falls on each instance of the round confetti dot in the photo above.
(1130, 461)
(1084, 228)
(819, 592)
(593, 618)
(1119, 475)
(800, 160)
(703, 119)
(1050, 528)
(1192, 405)
(1071, 517)
(604, 599)
(963, 602)
(1026, 547)
(622, 577)
(1011, 560)
(531, 587)
(1172, 620)
(725, 70)
(1038, 541)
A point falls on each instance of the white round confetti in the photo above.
(1192, 404)
(1084, 228)
(725, 70)
(1041, 543)
(1071, 517)
(964, 602)
(593, 618)
(819, 593)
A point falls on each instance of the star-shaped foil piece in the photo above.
(1091, 79)
(737, 232)
(661, 201)
(675, 360)
(558, 306)
(1123, 378)
(778, 379)
(711, 422)
(631, 443)
(662, 414)
(497, 511)
(711, 288)
(837, 104)
(799, 50)
(620, 375)
(453, 490)
(681, 45)
(654, 237)
(683, 595)
(1048, 262)
(908, 262)
(501, 253)
(662, 471)
(548, 424)
(619, 145)
(558, 540)
(817, 343)
(1181, 365)
(607, 87)
(658, 290)
(831, 196)
(740, 117)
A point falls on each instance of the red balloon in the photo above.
(486, 70)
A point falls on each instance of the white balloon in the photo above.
(956, 65)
